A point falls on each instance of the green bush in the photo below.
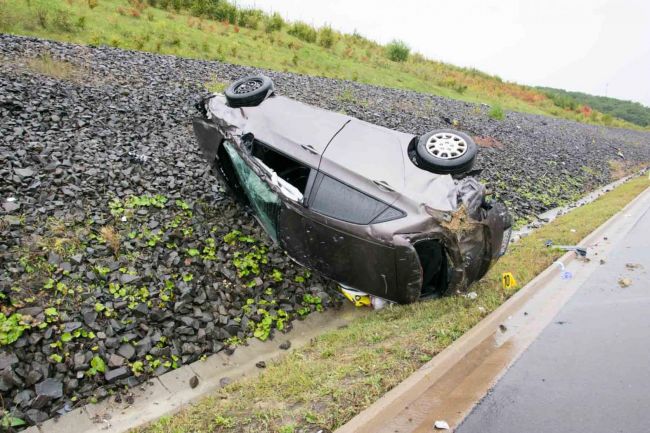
(397, 51)
(303, 31)
(327, 37)
(250, 18)
(496, 113)
(274, 23)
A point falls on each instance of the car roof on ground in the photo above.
(279, 118)
(362, 154)
(352, 150)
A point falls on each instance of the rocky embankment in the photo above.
(120, 256)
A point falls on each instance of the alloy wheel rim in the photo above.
(446, 145)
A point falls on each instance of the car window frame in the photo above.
(316, 188)
(313, 171)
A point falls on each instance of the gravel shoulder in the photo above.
(121, 258)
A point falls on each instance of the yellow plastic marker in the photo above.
(359, 299)
(508, 280)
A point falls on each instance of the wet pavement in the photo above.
(588, 370)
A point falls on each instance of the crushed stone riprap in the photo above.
(120, 256)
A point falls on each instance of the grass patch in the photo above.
(344, 371)
(216, 86)
(248, 37)
(45, 64)
(496, 113)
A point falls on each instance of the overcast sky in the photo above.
(600, 47)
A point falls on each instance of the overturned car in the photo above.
(384, 212)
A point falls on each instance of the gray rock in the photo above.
(35, 416)
(7, 359)
(23, 397)
(115, 361)
(126, 351)
(52, 388)
(24, 172)
(127, 278)
(10, 206)
(71, 326)
(116, 374)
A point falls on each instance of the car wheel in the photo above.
(249, 91)
(446, 151)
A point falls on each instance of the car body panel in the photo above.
(327, 247)
(361, 152)
(377, 258)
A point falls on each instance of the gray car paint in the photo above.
(374, 160)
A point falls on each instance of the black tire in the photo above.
(446, 151)
(249, 91)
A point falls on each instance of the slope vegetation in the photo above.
(216, 30)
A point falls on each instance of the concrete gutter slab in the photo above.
(171, 391)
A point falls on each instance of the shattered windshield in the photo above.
(263, 200)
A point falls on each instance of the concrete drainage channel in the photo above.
(552, 214)
(169, 392)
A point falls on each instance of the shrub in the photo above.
(42, 16)
(61, 21)
(397, 51)
(226, 12)
(274, 23)
(92, 4)
(327, 37)
(250, 18)
(496, 113)
(607, 119)
(303, 31)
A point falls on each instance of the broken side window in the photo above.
(264, 201)
(288, 169)
(337, 200)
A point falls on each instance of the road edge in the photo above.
(378, 414)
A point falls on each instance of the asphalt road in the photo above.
(589, 369)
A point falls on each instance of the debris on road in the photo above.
(624, 282)
(441, 425)
(633, 266)
(564, 274)
(580, 251)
